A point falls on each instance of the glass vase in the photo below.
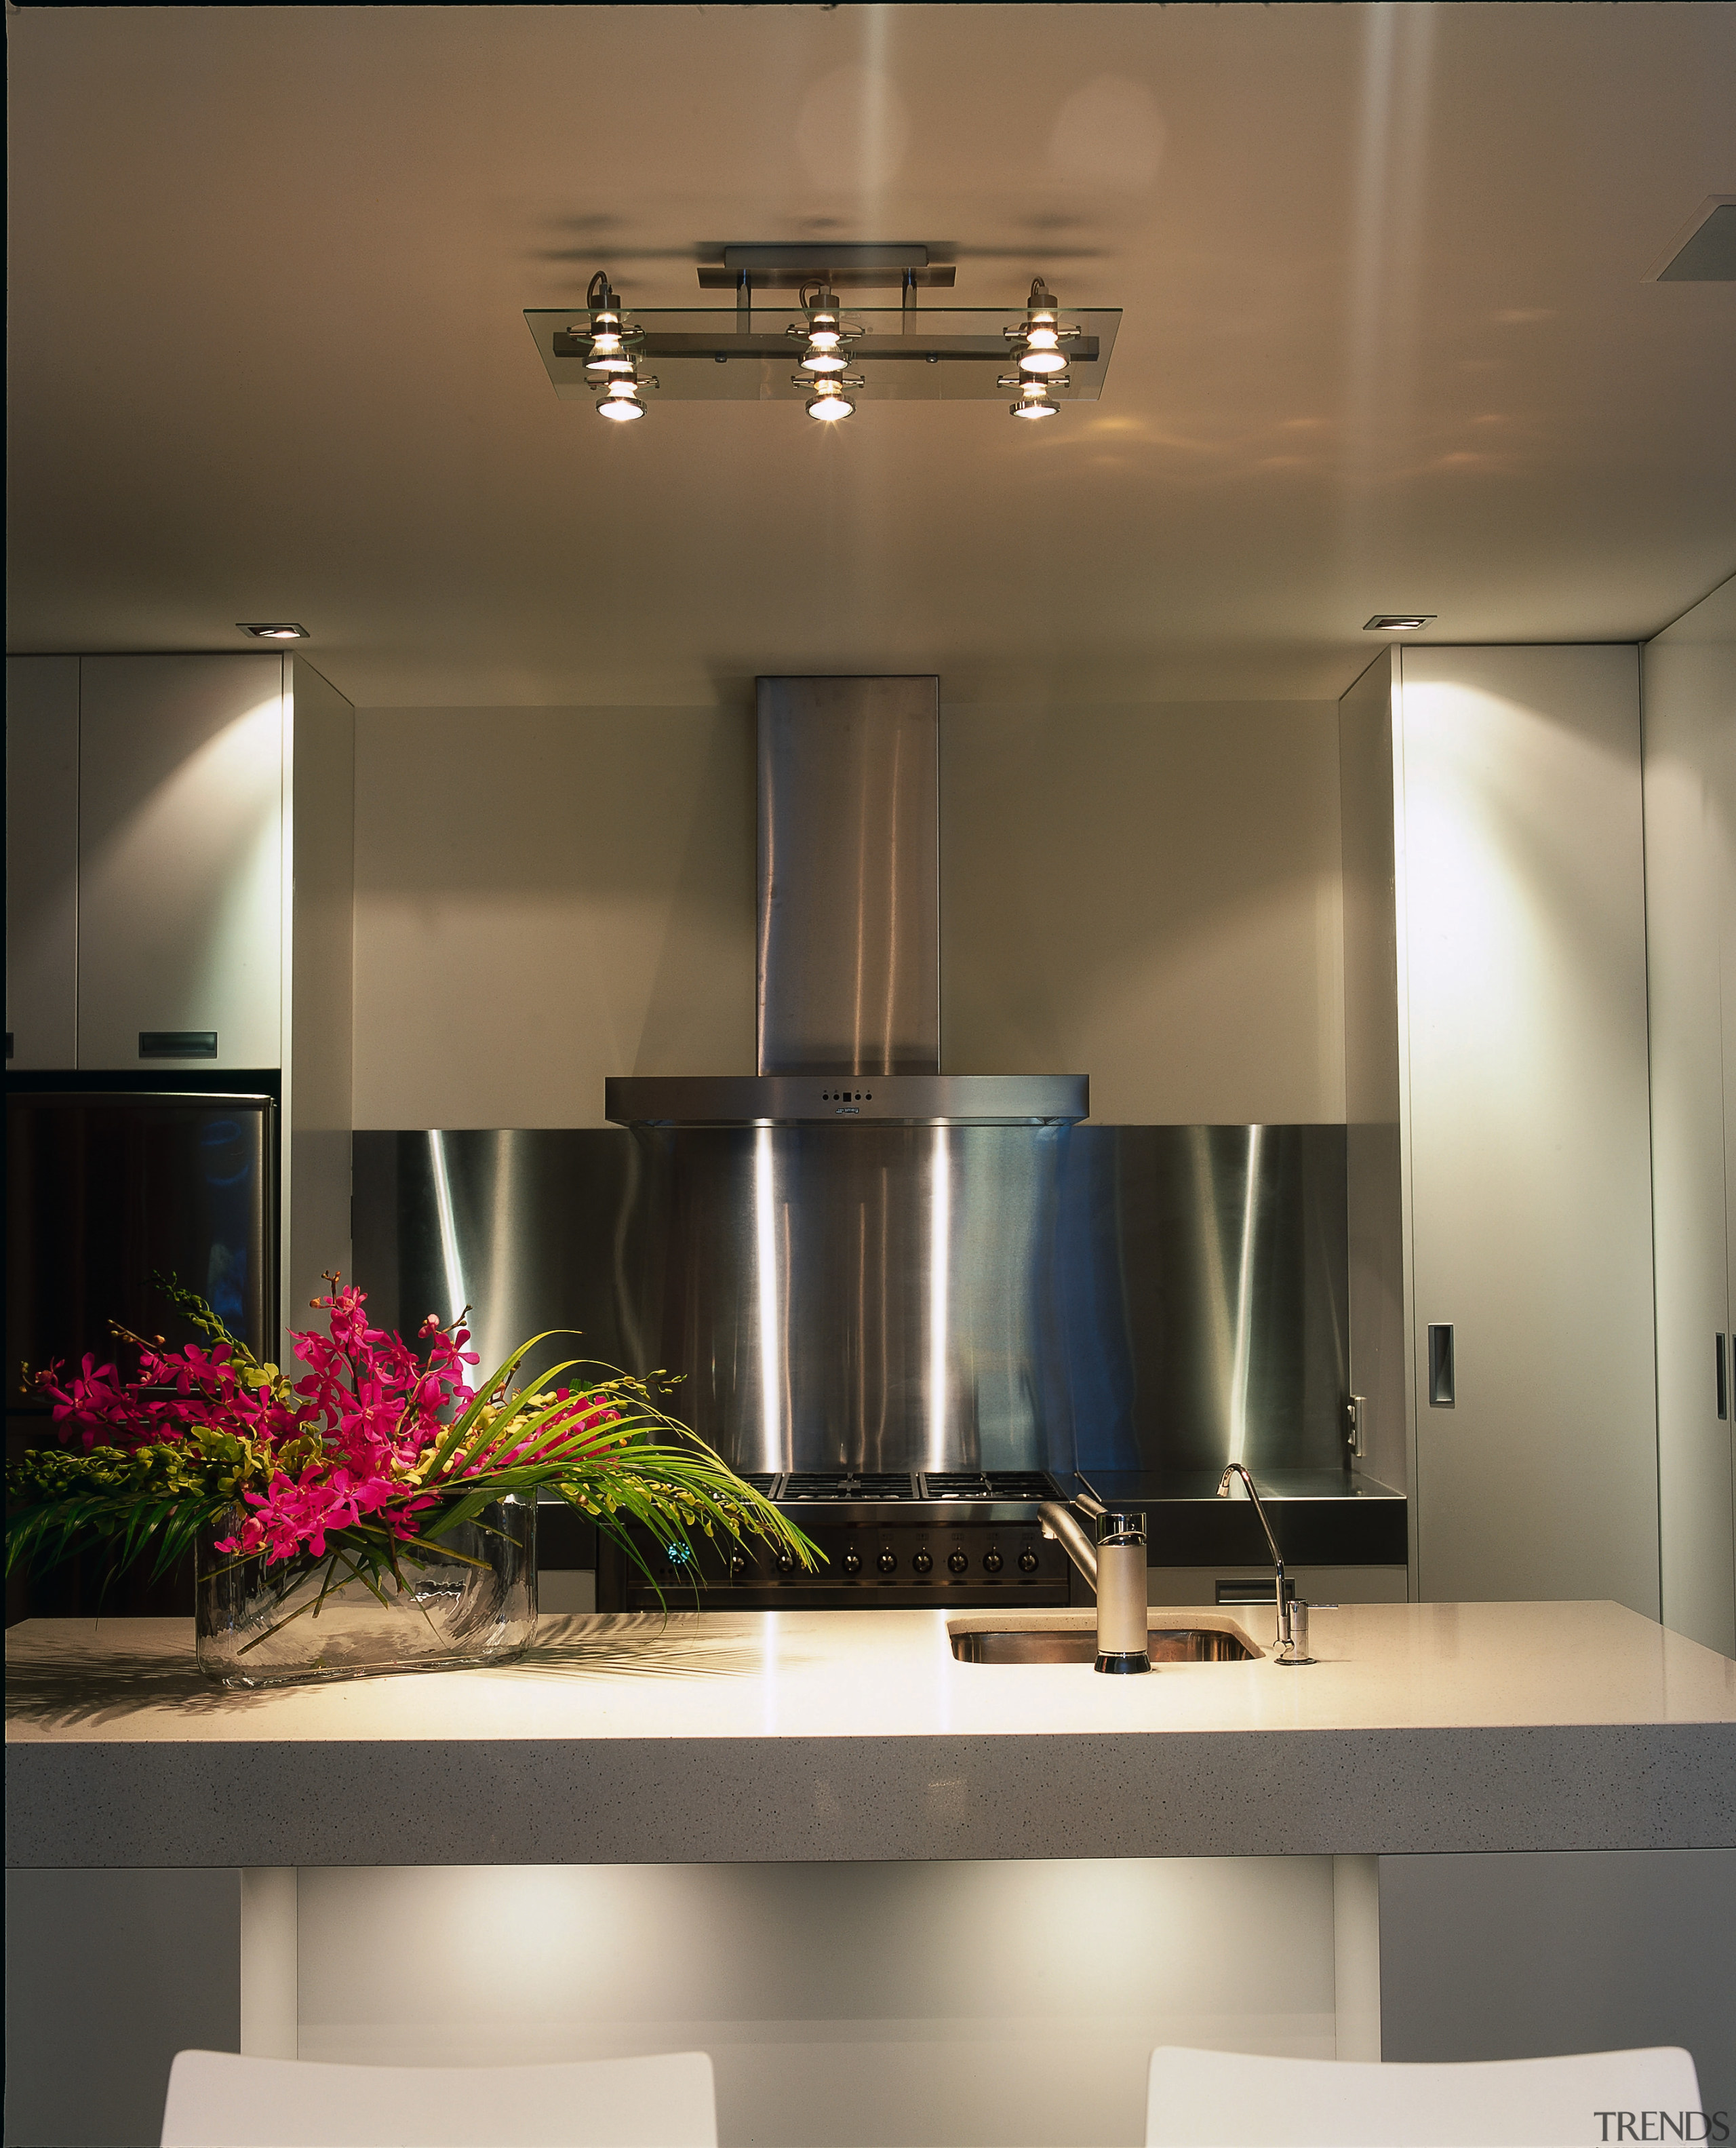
(458, 1601)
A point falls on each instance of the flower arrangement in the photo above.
(381, 1459)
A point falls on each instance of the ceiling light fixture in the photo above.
(1037, 341)
(829, 402)
(1035, 400)
(620, 400)
(828, 337)
(877, 353)
(609, 335)
(1398, 622)
(274, 630)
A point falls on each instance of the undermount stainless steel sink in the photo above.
(1078, 1644)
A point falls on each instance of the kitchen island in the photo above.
(1338, 1817)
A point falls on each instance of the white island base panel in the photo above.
(863, 2005)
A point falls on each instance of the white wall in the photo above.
(1149, 895)
(842, 2004)
(544, 897)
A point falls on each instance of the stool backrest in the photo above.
(217, 2100)
(1227, 2100)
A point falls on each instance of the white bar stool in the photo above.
(1228, 2099)
(217, 2100)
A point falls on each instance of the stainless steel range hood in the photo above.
(849, 932)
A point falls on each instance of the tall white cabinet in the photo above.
(180, 874)
(1500, 1196)
(1689, 691)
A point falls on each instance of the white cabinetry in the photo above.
(180, 837)
(1690, 805)
(181, 860)
(1500, 1196)
(42, 861)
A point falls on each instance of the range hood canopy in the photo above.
(849, 924)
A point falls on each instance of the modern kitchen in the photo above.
(919, 1231)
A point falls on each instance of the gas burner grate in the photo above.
(995, 1484)
(759, 1480)
(847, 1486)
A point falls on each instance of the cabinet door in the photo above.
(180, 861)
(42, 861)
(1721, 803)
(1690, 715)
(1528, 1122)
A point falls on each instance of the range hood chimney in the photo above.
(849, 930)
(850, 876)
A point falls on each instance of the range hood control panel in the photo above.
(749, 1100)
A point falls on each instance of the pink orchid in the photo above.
(364, 1420)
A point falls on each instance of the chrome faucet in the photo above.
(1287, 1632)
(1115, 1566)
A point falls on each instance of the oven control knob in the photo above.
(956, 1562)
(786, 1561)
(922, 1562)
(852, 1562)
(738, 1566)
(1027, 1562)
(991, 1562)
(887, 1562)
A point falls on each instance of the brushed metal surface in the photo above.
(1155, 1299)
(1167, 1644)
(849, 875)
(979, 1100)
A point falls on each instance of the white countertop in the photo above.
(815, 1734)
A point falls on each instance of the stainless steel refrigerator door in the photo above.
(105, 1191)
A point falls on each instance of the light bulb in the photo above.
(1035, 401)
(825, 349)
(1042, 357)
(828, 401)
(622, 400)
(1037, 341)
(608, 353)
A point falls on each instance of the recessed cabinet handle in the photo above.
(1440, 1366)
(1722, 1362)
(177, 1044)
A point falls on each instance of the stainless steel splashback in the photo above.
(849, 875)
(1204, 1275)
(1153, 1298)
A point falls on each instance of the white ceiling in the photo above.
(1387, 341)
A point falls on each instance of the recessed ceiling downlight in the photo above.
(1398, 622)
(274, 630)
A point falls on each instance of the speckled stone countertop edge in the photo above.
(519, 1801)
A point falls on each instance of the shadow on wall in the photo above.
(545, 897)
